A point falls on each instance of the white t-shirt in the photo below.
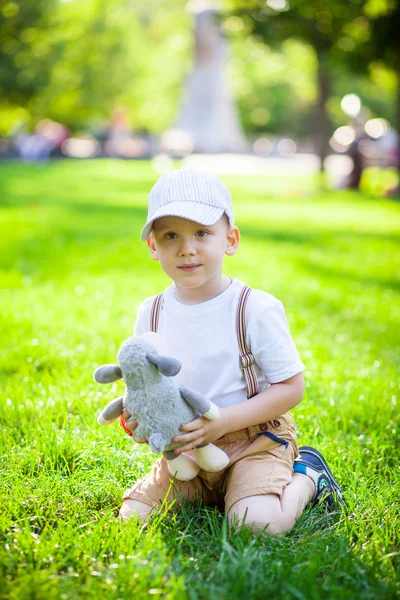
(203, 337)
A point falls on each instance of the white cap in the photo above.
(190, 194)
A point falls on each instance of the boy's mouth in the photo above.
(189, 267)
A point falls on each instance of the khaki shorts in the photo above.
(261, 462)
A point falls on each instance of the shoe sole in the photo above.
(332, 480)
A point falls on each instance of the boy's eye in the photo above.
(170, 235)
(202, 233)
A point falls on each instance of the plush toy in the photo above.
(160, 404)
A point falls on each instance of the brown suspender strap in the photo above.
(246, 357)
(155, 312)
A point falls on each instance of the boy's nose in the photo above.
(187, 247)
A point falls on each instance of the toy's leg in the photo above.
(181, 466)
(133, 508)
(210, 458)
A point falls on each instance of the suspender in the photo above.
(155, 313)
(246, 357)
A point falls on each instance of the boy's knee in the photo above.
(243, 513)
(132, 508)
(279, 528)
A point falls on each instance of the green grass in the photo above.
(72, 274)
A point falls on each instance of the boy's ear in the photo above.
(232, 241)
(152, 247)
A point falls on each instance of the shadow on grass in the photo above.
(60, 198)
(70, 218)
(56, 241)
(312, 238)
(320, 270)
(120, 211)
(82, 228)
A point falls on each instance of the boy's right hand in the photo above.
(129, 425)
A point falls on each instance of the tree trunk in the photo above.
(322, 121)
(397, 119)
(394, 24)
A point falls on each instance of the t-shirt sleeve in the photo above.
(142, 323)
(272, 345)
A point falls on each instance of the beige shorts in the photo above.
(259, 464)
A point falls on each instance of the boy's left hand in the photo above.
(200, 431)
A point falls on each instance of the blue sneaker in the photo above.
(311, 462)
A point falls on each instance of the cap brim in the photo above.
(193, 211)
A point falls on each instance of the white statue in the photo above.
(208, 113)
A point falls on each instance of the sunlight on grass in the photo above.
(72, 275)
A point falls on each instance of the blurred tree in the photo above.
(330, 27)
(274, 89)
(379, 52)
(25, 59)
(386, 38)
(75, 61)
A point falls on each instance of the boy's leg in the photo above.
(133, 508)
(159, 486)
(273, 514)
(265, 493)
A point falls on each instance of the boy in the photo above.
(236, 349)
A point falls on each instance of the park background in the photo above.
(73, 274)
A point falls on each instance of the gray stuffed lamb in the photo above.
(160, 404)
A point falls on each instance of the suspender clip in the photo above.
(246, 361)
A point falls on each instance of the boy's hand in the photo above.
(200, 431)
(129, 425)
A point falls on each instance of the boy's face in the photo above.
(192, 254)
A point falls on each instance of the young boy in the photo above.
(236, 349)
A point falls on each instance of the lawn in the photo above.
(72, 275)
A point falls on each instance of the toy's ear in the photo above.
(166, 365)
(108, 373)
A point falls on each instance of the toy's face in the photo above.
(137, 356)
(132, 355)
(140, 356)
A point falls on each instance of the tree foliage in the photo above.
(343, 36)
(75, 61)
